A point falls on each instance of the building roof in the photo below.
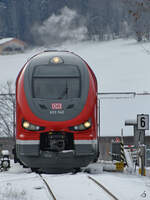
(4, 40)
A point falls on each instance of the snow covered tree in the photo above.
(139, 11)
(7, 110)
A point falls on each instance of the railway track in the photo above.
(89, 177)
(48, 187)
(32, 177)
(103, 187)
(83, 191)
(87, 187)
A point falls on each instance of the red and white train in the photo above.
(56, 113)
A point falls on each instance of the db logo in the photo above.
(56, 106)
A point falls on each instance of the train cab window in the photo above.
(56, 88)
(56, 82)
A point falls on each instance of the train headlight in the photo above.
(56, 60)
(87, 124)
(26, 124)
(31, 127)
(81, 127)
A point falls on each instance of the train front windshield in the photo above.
(56, 83)
(56, 88)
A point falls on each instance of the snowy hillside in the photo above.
(120, 65)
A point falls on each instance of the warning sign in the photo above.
(120, 166)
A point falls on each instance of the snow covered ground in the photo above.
(120, 66)
(22, 184)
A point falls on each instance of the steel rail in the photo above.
(104, 188)
(48, 187)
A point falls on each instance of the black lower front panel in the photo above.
(56, 153)
(56, 141)
(56, 162)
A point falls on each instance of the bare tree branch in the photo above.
(7, 105)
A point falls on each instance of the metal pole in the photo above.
(142, 149)
(122, 135)
(143, 161)
(122, 149)
(136, 136)
(142, 136)
(14, 125)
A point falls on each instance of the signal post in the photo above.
(140, 125)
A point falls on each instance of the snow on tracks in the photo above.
(20, 184)
(25, 186)
(75, 187)
(48, 187)
(103, 187)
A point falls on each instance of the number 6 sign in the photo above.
(143, 122)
